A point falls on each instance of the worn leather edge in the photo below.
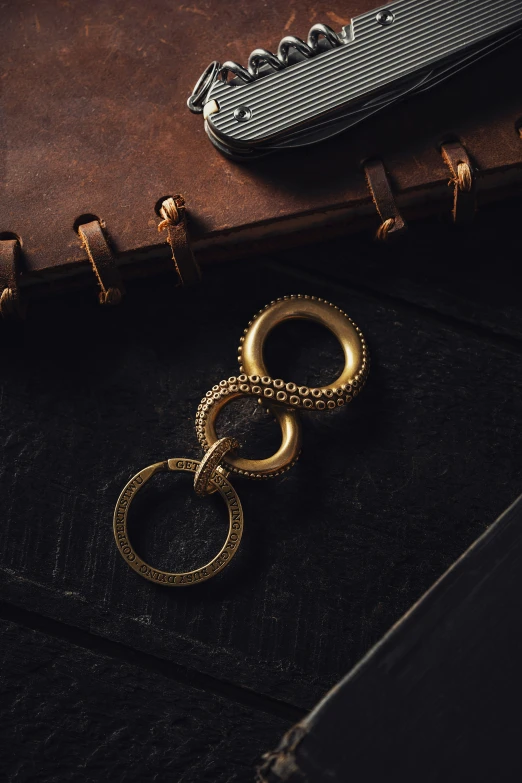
(11, 306)
(102, 261)
(175, 221)
(281, 765)
(383, 197)
(463, 179)
(276, 235)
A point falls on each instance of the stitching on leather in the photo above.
(103, 263)
(383, 199)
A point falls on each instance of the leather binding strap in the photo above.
(10, 305)
(103, 263)
(463, 180)
(379, 185)
(174, 214)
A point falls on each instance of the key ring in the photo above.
(203, 85)
(285, 400)
(220, 484)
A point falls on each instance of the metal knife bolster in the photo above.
(405, 47)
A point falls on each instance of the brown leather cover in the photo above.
(95, 124)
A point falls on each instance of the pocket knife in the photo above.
(311, 90)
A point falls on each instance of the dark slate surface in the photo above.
(470, 280)
(68, 713)
(386, 495)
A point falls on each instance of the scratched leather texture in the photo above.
(94, 122)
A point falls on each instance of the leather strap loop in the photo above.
(103, 263)
(382, 195)
(174, 214)
(463, 180)
(10, 304)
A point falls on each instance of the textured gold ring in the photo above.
(182, 578)
(211, 462)
(284, 399)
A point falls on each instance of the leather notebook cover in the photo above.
(94, 122)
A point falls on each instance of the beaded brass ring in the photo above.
(285, 400)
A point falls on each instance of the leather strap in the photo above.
(463, 180)
(174, 214)
(10, 305)
(103, 263)
(382, 195)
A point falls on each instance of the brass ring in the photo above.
(210, 462)
(308, 308)
(284, 457)
(252, 363)
(184, 578)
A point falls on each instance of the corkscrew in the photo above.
(259, 58)
(311, 90)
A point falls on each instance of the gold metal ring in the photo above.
(211, 462)
(252, 363)
(184, 578)
(308, 308)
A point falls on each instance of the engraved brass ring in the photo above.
(184, 578)
(284, 399)
(211, 461)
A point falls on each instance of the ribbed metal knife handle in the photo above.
(404, 47)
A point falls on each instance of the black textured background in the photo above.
(106, 675)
